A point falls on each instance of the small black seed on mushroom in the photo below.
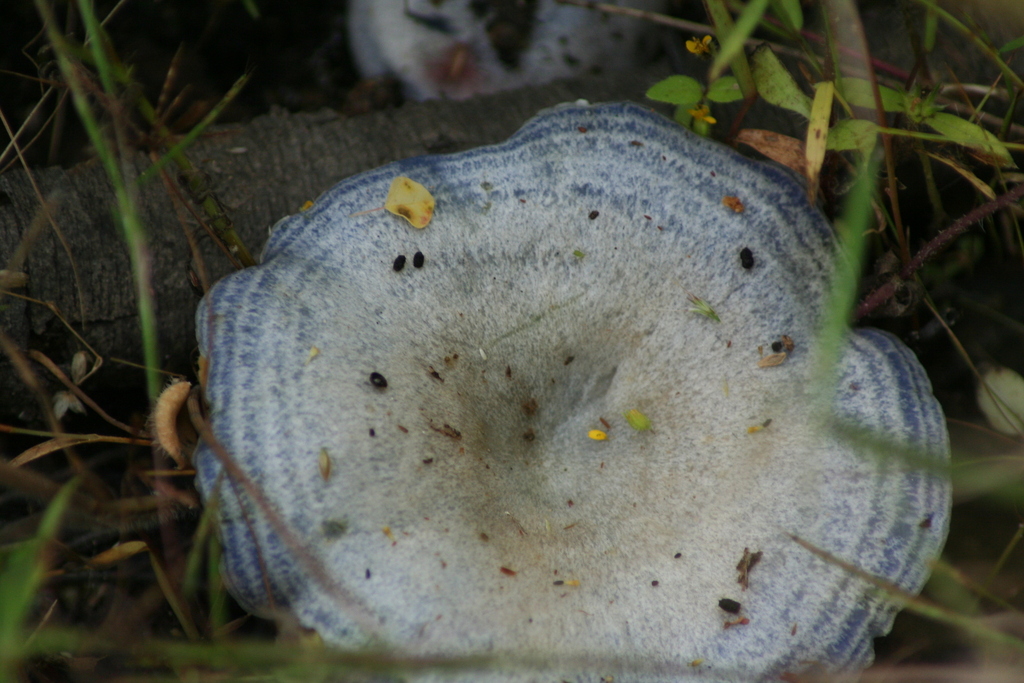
(399, 262)
(677, 555)
(776, 346)
(377, 380)
(368, 573)
(372, 432)
(654, 583)
(594, 214)
(417, 259)
(746, 258)
(730, 606)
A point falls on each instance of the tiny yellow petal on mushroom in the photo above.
(754, 429)
(325, 464)
(306, 205)
(313, 353)
(637, 420)
(697, 662)
(411, 201)
(572, 582)
(387, 532)
(597, 435)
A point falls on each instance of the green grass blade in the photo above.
(21, 576)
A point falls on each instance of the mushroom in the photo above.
(426, 479)
(460, 49)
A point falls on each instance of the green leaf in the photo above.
(971, 135)
(732, 43)
(850, 134)
(858, 93)
(775, 84)
(817, 132)
(681, 90)
(637, 420)
(1014, 44)
(725, 89)
(682, 115)
(790, 13)
(578, 254)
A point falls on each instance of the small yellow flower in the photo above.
(699, 46)
(597, 435)
(702, 113)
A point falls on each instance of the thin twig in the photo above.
(937, 244)
(74, 388)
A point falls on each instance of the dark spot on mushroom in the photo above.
(486, 186)
(529, 406)
(334, 528)
(604, 423)
(377, 380)
(776, 346)
(433, 373)
(372, 432)
(714, 175)
(677, 555)
(403, 429)
(647, 217)
(792, 631)
(570, 503)
(636, 143)
(508, 371)
(368, 574)
(926, 523)
(428, 461)
(788, 342)
(654, 583)
(559, 583)
(745, 565)
(581, 129)
(569, 359)
(746, 258)
(417, 259)
(593, 215)
(730, 606)
(854, 386)
(529, 435)
(484, 537)
(508, 572)
(728, 344)
(447, 430)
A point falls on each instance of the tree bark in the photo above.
(261, 171)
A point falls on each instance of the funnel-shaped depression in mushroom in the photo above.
(576, 422)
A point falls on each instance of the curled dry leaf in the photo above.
(781, 148)
(411, 201)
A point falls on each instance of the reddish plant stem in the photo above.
(882, 294)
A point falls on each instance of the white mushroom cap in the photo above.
(460, 505)
(450, 48)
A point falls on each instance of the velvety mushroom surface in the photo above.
(467, 508)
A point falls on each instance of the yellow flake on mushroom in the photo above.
(324, 462)
(387, 532)
(411, 201)
(313, 353)
(306, 205)
(772, 360)
(597, 435)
